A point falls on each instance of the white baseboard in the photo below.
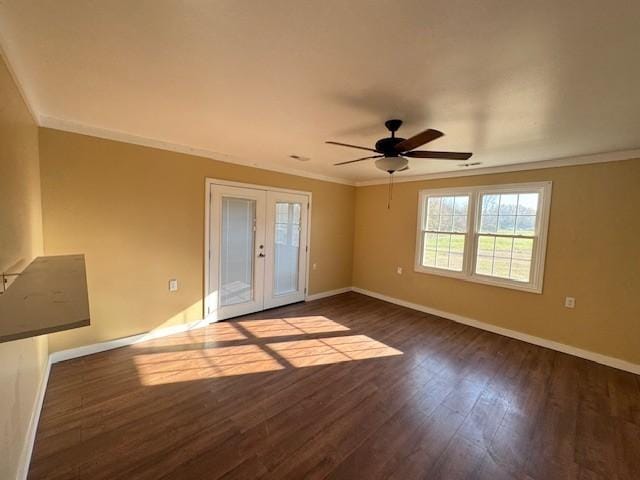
(123, 342)
(328, 293)
(542, 342)
(23, 470)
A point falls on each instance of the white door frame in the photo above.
(209, 313)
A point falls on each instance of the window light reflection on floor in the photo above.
(281, 327)
(319, 351)
(157, 368)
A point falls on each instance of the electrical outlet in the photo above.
(570, 302)
(314, 266)
(399, 270)
(173, 285)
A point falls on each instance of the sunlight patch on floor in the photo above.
(157, 368)
(320, 351)
(253, 355)
(184, 366)
(282, 327)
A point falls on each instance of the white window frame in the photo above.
(471, 237)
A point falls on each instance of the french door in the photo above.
(257, 249)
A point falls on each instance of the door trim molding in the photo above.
(208, 183)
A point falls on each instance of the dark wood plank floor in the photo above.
(346, 387)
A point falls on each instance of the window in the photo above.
(445, 232)
(495, 234)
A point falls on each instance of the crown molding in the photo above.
(515, 167)
(16, 80)
(119, 136)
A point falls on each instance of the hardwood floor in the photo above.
(347, 387)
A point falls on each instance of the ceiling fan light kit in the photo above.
(392, 164)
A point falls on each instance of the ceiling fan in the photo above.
(392, 151)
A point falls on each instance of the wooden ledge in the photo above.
(50, 295)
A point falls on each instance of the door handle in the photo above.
(261, 254)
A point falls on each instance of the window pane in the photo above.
(442, 259)
(459, 223)
(433, 206)
(447, 206)
(501, 267)
(484, 265)
(446, 223)
(461, 205)
(443, 241)
(508, 204)
(504, 257)
(446, 214)
(287, 248)
(520, 270)
(443, 250)
(526, 225)
(490, 204)
(429, 258)
(489, 224)
(486, 246)
(506, 224)
(457, 244)
(236, 250)
(433, 222)
(282, 212)
(455, 261)
(431, 240)
(522, 248)
(503, 247)
(296, 213)
(528, 204)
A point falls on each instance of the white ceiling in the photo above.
(257, 81)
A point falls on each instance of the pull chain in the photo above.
(390, 194)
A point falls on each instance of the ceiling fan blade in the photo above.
(351, 146)
(358, 160)
(418, 140)
(439, 155)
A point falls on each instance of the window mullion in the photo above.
(470, 240)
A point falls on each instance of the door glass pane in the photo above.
(287, 247)
(236, 250)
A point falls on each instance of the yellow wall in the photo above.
(22, 362)
(138, 215)
(592, 254)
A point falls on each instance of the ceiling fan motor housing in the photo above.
(386, 146)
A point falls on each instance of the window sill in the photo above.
(494, 282)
